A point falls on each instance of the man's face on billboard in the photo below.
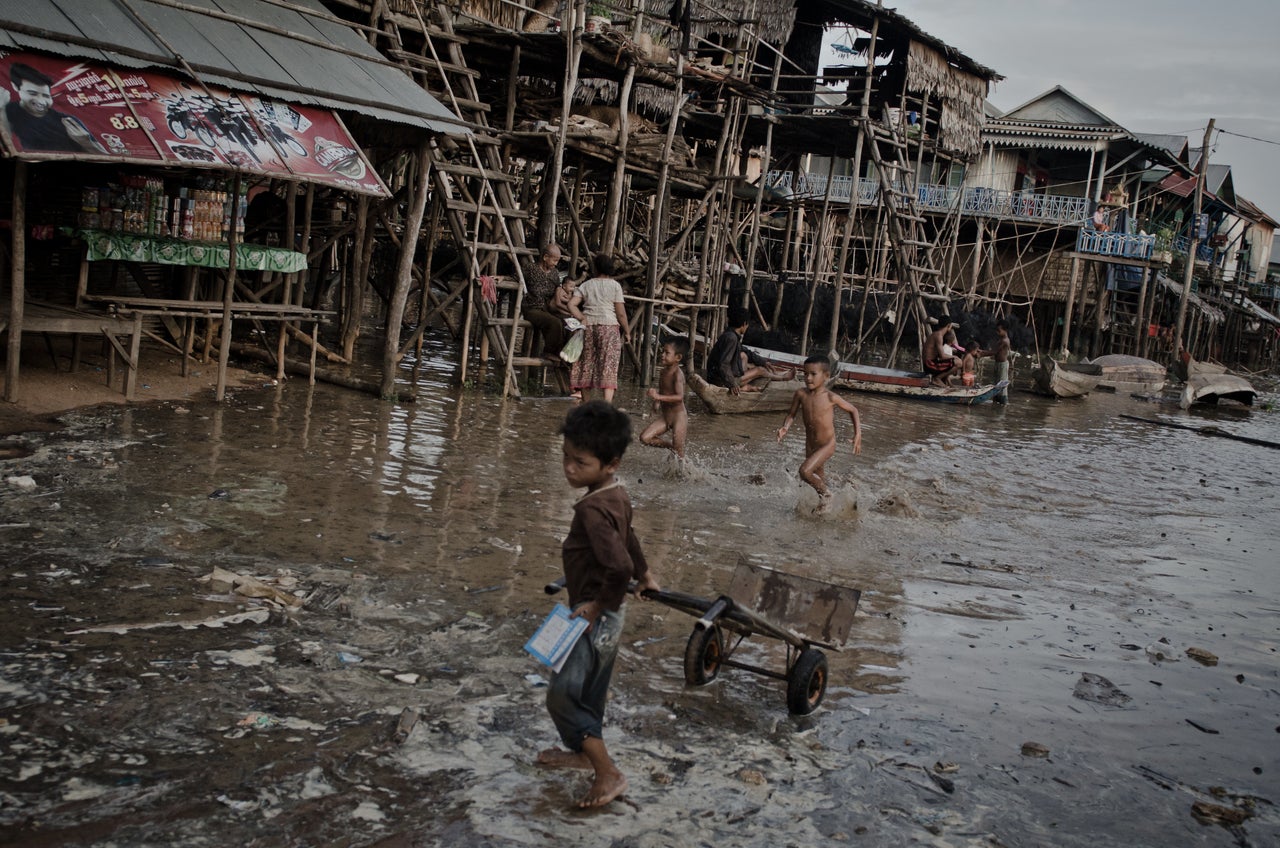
(35, 98)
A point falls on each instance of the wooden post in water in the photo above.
(228, 293)
(1189, 273)
(404, 270)
(17, 280)
(1065, 350)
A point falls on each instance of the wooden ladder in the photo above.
(915, 250)
(475, 192)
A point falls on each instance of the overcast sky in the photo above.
(1159, 66)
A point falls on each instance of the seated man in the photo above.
(729, 365)
(938, 356)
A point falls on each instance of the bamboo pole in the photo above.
(17, 280)
(655, 225)
(1189, 272)
(404, 271)
(229, 291)
(1065, 350)
(550, 194)
(286, 296)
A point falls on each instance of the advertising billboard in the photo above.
(53, 107)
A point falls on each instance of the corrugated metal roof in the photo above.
(320, 62)
(1254, 212)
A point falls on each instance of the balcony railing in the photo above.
(1115, 244)
(1024, 205)
(974, 200)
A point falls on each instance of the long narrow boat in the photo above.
(891, 381)
(1066, 380)
(774, 396)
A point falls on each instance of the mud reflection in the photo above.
(1002, 554)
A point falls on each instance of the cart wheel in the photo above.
(806, 682)
(703, 655)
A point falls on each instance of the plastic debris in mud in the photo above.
(1100, 690)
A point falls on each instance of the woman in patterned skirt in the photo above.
(599, 306)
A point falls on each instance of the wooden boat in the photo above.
(1066, 379)
(774, 396)
(871, 378)
(1210, 388)
(1124, 373)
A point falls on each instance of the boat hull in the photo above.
(1066, 381)
(774, 396)
(1124, 373)
(1211, 388)
(889, 381)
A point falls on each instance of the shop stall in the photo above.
(134, 166)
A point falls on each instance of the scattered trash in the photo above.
(257, 616)
(1202, 728)
(238, 806)
(1162, 651)
(752, 777)
(408, 677)
(503, 546)
(246, 657)
(219, 495)
(385, 537)
(26, 483)
(368, 811)
(221, 580)
(349, 658)
(1216, 814)
(535, 680)
(1096, 688)
(404, 725)
(1034, 749)
(1202, 656)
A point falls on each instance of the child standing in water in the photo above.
(601, 557)
(668, 400)
(817, 403)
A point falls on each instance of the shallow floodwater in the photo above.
(1003, 553)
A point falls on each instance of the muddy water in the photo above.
(1003, 554)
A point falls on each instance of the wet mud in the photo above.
(1067, 633)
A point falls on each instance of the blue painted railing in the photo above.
(1115, 244)
(974, 200)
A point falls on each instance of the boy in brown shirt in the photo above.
(601, 557)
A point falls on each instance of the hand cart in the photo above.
(773, 604)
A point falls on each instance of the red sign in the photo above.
(59, 107)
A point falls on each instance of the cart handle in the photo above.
(556, 585)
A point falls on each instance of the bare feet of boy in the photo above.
(824, 503)
(604, 788)
(557, 758)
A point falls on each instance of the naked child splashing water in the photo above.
(817, 405)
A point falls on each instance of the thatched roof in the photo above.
(962, 94)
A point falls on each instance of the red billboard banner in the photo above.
(58, 107)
